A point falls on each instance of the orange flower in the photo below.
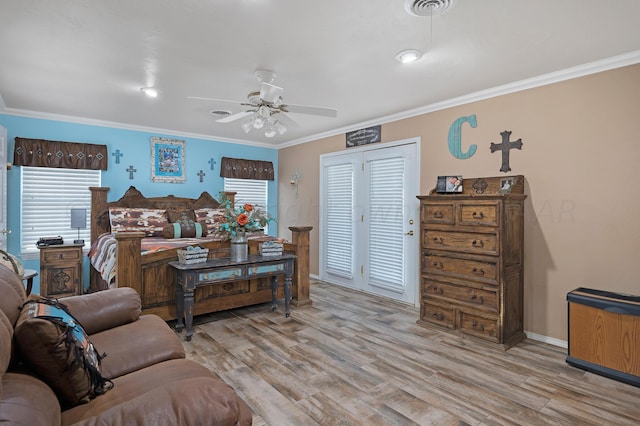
(248, 208)
(243, 219)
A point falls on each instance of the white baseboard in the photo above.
(547, 339)
(314, 277)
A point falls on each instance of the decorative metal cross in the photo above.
(117, 154)
(131, 170)
(201, 174)
(505, 146)
(212, 162)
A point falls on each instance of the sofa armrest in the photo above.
(105, 309)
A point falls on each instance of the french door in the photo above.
(369, 220)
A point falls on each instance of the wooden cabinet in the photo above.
(61, 270)
(472, 260)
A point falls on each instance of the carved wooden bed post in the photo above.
(300, 238)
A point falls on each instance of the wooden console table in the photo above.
(223, 270)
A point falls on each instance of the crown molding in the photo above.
(112, 124)
(589, 68)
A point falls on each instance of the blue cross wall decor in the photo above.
(131, 170)
(117, 154)
(212, 162)
(201, 174)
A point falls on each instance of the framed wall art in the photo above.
(167, 160)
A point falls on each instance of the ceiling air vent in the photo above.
(218, 114)
(428, 7)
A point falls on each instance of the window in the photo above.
(249, 191)
(48, 195)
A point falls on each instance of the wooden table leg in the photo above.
(274, 293)
(179, 305)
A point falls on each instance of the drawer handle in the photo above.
(438, 316)
(478, 299)
(478, 271)
(477, 215)
(478, 243)
(438, 240)
(61, 256)
(438, 265)
(438, 214)
(437, 289)
(477, 326)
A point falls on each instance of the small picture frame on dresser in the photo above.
(449, 184)
(505, 185)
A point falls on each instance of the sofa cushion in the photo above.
(56, 346)
(132, 219)
(180, 230)
(27, 400)
(13, 294)
(175, 392)
(137, 345)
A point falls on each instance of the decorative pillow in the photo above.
(211, 217)
(205, 201)
(181, 230)
(58, 349)
(132, 219)
(186, 217)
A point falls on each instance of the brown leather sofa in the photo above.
(153, 382)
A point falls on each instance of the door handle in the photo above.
(6, 231)
(409, 233)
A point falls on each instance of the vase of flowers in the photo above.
(238, 222)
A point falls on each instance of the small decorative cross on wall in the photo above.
(505, 146)
(212, 162)
(131, 171)
(117, 154)
(201, 174)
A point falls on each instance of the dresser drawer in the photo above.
(444, 316)
(461, 294)
(476, 325)
(437, 213)
(473, 269)
(70, 254)
(469, 242)
(477, 213)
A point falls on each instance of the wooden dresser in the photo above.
(472, 259)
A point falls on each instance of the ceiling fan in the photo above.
(266, 109)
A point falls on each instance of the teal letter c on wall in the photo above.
(455, 137)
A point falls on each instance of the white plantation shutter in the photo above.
(249, 191)
(339, 220)
(48, 195)
(385, 223)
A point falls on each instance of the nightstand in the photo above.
(61, 270)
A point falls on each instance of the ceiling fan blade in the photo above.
(234, 117)
(269, 92)
(198, 98)
(303, 109)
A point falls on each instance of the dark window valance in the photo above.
(246, 169)
(68, 155)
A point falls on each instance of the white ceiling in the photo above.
(87, 60)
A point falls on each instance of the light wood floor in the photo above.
(355, 359)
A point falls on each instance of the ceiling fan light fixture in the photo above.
(258, 122)
(151, 92)
(247, 126)
(409, 55)
(270, 132)
(281, 128)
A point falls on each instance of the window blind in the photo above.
(48, 195)
(249, 191)
(339, 221)
(385, 219)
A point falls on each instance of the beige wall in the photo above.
(580, 155)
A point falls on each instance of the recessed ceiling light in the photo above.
(408, 56)
(150, 91)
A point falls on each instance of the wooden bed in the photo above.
(152, 277)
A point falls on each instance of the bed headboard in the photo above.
(134, 198)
